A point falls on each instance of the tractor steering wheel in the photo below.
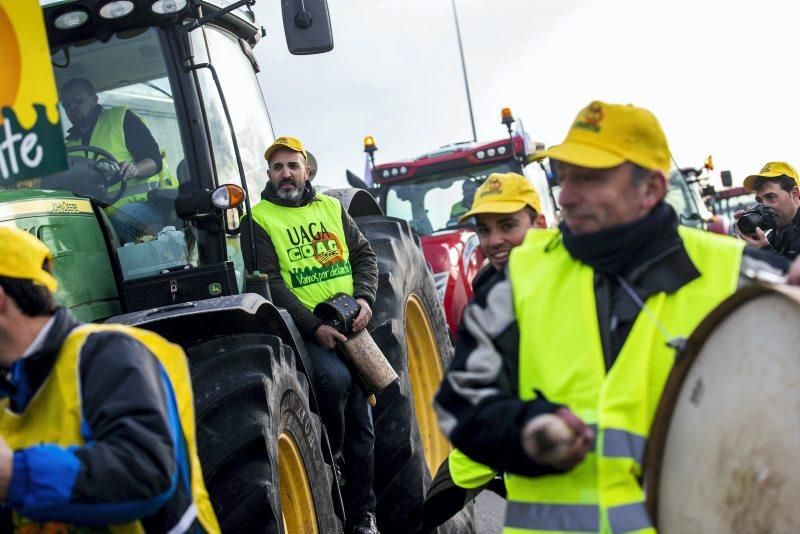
(98, 155)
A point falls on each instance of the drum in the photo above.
(724, 451)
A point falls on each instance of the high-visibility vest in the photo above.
(467, 473)
(54, 415)
(109, 134)
(560, 353)
(311, 247)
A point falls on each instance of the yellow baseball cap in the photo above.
(773, 169)
(285, 141)
(23, 256)
(606, 135)
(504, 193)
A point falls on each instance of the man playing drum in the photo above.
(562, 357)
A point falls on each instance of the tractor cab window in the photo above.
(124, 146)
(436, 202)
(680, 197)
(248, 113)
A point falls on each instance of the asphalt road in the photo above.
(489, 513)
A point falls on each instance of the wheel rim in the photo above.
(297, 501)
(425, 374)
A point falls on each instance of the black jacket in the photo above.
(478, 403)
(786, 242)
(362, 261)
(127, 468)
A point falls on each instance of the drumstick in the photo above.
(547, 438)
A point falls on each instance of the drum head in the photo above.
(724, 452)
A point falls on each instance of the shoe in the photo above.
(364, 523)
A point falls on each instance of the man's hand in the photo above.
(328, 336)
(560, 439)
(759, 240)
(128, 169)
(793, 275)
(6, 468)
(363, 317)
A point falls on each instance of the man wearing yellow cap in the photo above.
(311, 249)
(776, 187)
(96, 421)
(583, 324)
(505, 207)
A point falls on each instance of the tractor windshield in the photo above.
(124, 145)
(436, 202)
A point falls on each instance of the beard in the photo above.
(291, 194)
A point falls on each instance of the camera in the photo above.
(759, 216)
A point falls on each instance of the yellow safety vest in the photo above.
(560, 353)
(54, 415)
(109, 134)
(311, 247)
(467, 473)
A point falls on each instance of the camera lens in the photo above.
(749, 222)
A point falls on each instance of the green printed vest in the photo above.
(311, 247)
(560, 353)
(109, 134)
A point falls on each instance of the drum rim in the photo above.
(654, 453)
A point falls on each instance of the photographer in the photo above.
(778, 196)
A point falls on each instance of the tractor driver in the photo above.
(122, 133)
(311, 249)
(468, 189)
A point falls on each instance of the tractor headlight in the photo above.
(71, 19)
(116, 9)
(168, 7)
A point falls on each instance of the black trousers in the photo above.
(348, 418)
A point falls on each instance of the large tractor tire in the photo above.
(408, 324)
(258, 441)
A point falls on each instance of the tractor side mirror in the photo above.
(307, 26)
(726, 178)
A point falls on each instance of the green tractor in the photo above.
(187, 69)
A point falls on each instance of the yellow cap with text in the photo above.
(504, 193)
(292, 143)
(24, 257)
(773, 169)
(606, 135)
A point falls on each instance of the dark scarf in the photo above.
(622, 248)
(271, 193)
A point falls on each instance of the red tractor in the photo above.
(433, 190)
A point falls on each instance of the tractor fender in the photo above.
(356, 202)
(189, 323)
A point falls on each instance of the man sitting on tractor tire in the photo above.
(97, 428)
(311, 249)
(505, 207)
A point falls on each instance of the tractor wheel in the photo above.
(408, 324)
(258, 441)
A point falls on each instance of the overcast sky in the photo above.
(720, 75)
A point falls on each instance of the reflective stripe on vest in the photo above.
(561, 355)
(311, 247)
(54, 415)
(574, 517)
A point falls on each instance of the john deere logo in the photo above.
(492, 187)
(591, 118)
(766, 168)
(214, 289)
(281, 140)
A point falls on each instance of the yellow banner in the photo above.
(31, 140)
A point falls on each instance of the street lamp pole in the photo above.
(464, 70)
